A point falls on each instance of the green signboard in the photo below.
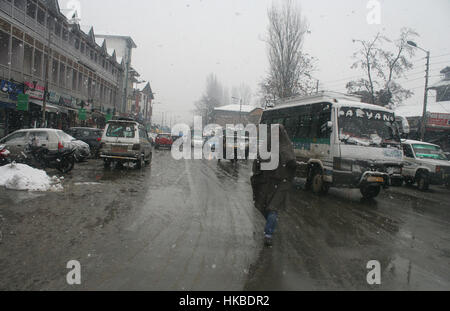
(22, 102)
(108, 117)
(82, 114)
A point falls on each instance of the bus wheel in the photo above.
(318, 186)
(370, 191)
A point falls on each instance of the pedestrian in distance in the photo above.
(271, 188)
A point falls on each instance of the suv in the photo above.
(425, 164)
(125, 141)
(51, 139)
(163, 141)
(91, 136)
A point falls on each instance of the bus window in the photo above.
(291, 125)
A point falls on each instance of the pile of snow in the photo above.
(23, 177)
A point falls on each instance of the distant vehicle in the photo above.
(91, 136)
(4, 155)
(125, 141)
(425, 164)
(341, 142)
(164, 141)
(51, 139)
(197, 141)
(235, 143)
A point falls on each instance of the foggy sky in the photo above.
(181, 41)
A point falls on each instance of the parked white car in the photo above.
(424, 164)
(52, 139)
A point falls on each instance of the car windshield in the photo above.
(121, 130)
(164, 136)
(367, 127)
(428, 152)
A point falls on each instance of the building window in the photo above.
(37, 63)
(74, 80)
(27, 59)
(55, 71)
(20, 4)
(65, 34)
(4, 48)
(41, 16)
(57, 29)
(77, 43)
(62, 75)
(69, 77)
(80, 82)
(31, 9)
(17, 54)
(82, 47)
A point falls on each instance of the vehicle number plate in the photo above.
(375, 179)
(118, 149)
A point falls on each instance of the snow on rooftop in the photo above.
(99, 41)
(236, 108)
(85, 28)
(417, 110)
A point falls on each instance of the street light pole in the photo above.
(425, 100)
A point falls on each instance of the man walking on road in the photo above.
(271, 188)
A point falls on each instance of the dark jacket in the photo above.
(271, 188)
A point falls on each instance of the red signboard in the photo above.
(35, 92)
(439, 120)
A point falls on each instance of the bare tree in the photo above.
(288, 64)
(382, 67)
(242, 92)
(214, 96)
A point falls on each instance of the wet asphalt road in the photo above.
(191, 225)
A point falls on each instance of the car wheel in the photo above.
(149, 160)
(370, 191)
(423, 182)
(140, 162)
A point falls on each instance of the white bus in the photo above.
(341, 142)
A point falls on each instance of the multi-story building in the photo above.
(123, 46)
(42, 52)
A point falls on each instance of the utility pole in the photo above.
(425, 102)
(44, 100)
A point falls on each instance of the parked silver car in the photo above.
(51, 139)
(125, 141)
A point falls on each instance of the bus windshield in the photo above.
(367, 127)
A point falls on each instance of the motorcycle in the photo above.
(40, 157)
(4, 155)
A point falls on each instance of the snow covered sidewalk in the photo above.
(23, 177)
